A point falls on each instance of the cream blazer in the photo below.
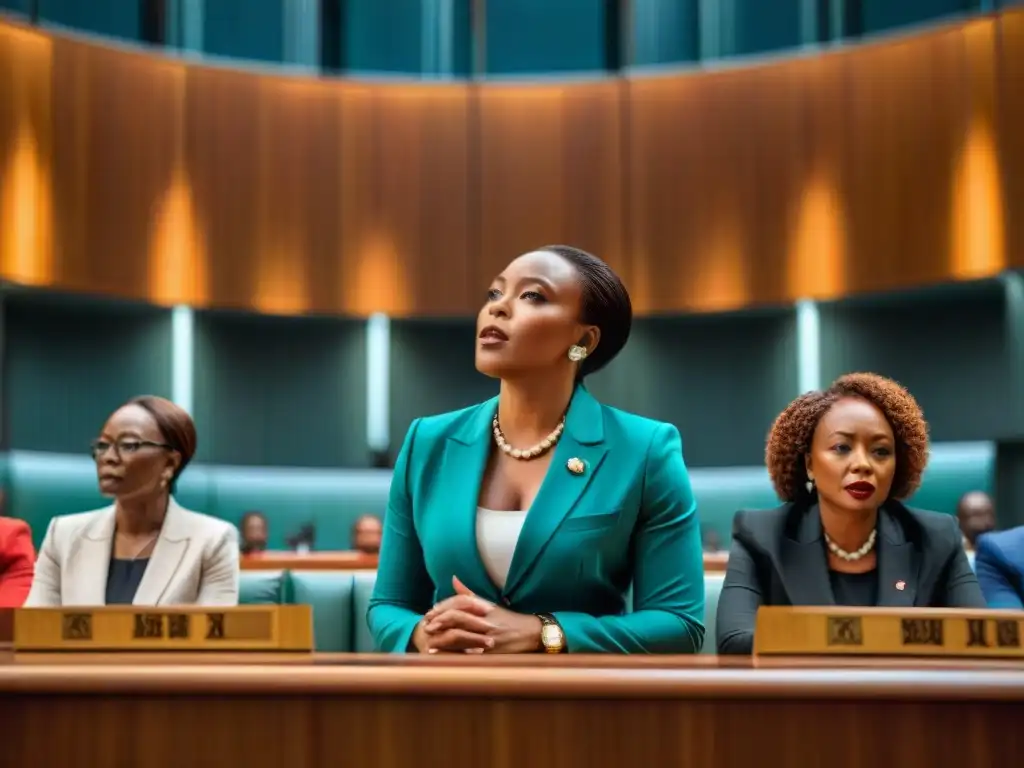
(195, 561)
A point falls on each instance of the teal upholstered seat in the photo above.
(330, 595)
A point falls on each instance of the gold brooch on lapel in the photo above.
(576, 466)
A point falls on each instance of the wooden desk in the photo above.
(358, 561)
(455, 711)
(311, 561)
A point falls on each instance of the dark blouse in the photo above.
(855, 589)
(123, 580)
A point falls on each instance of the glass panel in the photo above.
(244, 29)
(535, 36)
(666, 31)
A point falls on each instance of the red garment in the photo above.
(17, 562)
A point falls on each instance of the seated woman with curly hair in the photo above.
(841, 460)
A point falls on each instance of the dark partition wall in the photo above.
(950, 346)
(721, 379)
(280, 391)
(68, 362)
(432, 371)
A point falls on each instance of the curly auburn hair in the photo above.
(789, 440)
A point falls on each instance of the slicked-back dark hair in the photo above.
(175, 425)
(606, 304)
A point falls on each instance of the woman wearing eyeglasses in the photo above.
(144, 549)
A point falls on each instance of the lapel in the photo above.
(167, 556)
(462, 471)
(898, 560)
(803, 562)
(91, 561)
(582, 439)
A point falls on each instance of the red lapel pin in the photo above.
(901, 585)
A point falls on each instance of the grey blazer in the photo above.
(778, 557)
(195, 561)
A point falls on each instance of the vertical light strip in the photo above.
(837, 20)
(192, 12)
(711, 35)
(378, 381)
(309, 33)
(301, 32)
(1013, 285)
(809, 22)
(446, 37)
(172, 11)
(429, 29)
(808, 346)
(182, 345)
(289, 33)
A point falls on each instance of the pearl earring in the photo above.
(810, 485)
(577, 353)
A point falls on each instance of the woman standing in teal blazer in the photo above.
(518, 525)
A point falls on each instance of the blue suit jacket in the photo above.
(629, 517)
(999, 565)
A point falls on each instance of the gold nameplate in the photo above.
(836, 631)
(140, 628)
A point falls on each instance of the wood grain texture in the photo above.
(359, 561)
(267, 716)
(874, 166)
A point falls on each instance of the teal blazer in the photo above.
(629, 517)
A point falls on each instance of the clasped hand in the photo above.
(466, 623)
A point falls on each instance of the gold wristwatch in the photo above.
(552, 638)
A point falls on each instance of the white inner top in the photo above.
(496, 535)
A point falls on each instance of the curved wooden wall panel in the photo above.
(879, 166)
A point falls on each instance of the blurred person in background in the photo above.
(367, 533)
(517, 525)
(711, 541)
(254, 530)
(841, 460)
(144, 549)
(977, 515)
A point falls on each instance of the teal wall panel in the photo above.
(432, 371)
(721, 379)
(69, 362)
(280, 391)
(18, 6)
(947, 345)
(244, 29)
(759, 27)
(536, 36)
(384, 35)
(116, 18)
(883, 15)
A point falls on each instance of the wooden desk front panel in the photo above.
(479, 714)
(301, 732)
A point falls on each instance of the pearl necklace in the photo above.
(539, 449)
(851, 557)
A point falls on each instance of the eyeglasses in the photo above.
(124, 447)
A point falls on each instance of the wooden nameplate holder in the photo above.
(840, 631)
(263, 628)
